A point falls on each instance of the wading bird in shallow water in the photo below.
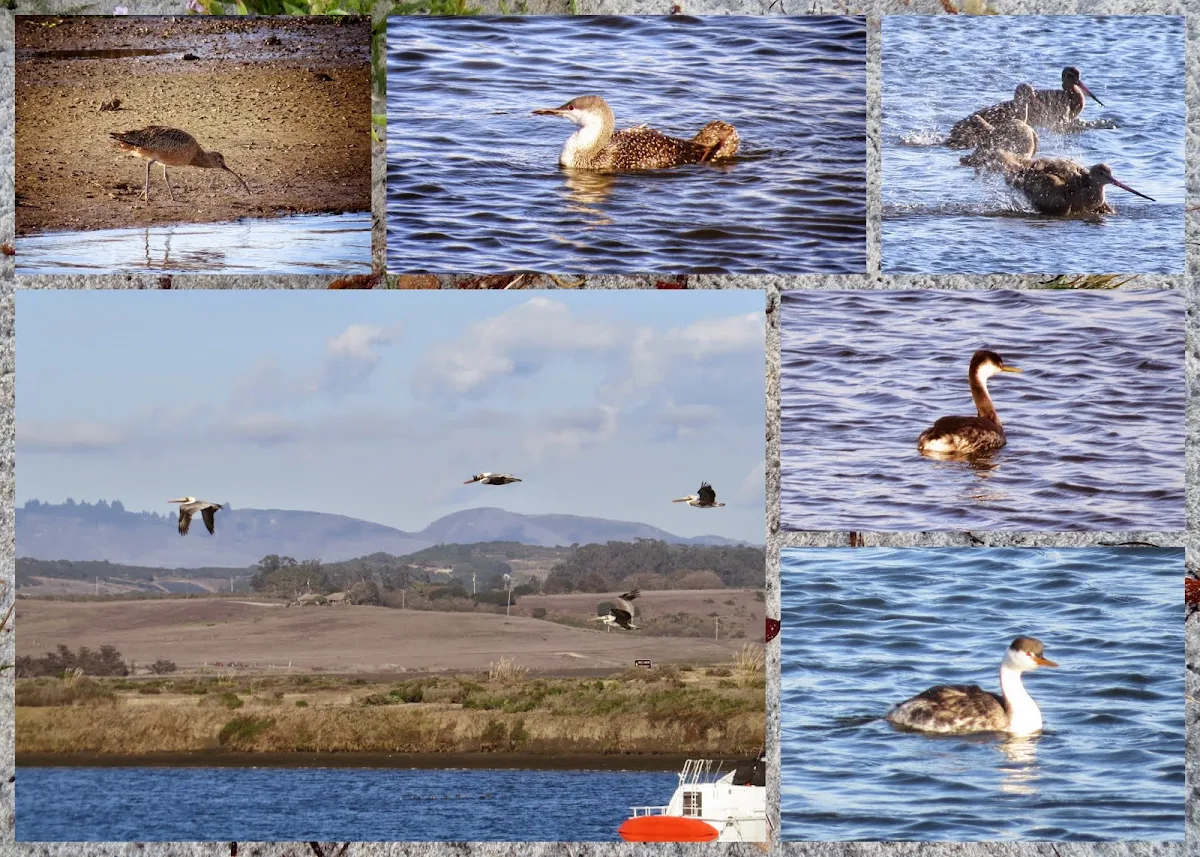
(968, 133)
(1058, 108)
(492, 478)
(621, 616)
(1013, 136)
(960, 708)
(170, 147)
(598, 147)
(1060, 186)
(705, 498)
(190, 506)
(970, 435)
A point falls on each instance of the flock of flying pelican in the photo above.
(621, 617)
(1005, 143)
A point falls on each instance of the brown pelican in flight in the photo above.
(492, 478)
(190, 506)
(705, 498)
(621, 616)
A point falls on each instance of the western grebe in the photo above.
(960, 708)
(969, 435)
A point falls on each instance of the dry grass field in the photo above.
(202, 633)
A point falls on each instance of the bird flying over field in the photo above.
(705, 498)
(621, 616)
(190, 506)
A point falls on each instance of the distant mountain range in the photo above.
(83, 531)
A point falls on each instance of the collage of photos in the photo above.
(826, 476)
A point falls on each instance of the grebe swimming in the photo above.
(970, 435)
(960, 708)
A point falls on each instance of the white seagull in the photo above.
(705, 498)
(492, 478)
(622, 618)
(190, 506)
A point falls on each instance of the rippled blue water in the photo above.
(866, 628)
(1095, 424)
(329, 804)
(303, 244)
(473, 177)
(938, 217)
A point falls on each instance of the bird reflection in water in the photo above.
(1020, 767)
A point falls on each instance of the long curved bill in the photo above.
(1124, 186)
(239, 178)
(1088, 93)
(1043, 662)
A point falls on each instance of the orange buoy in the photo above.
(666, 828)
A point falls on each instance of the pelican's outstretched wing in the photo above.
(210, 514)
(626, 601)
(707, 495)
(185, 520)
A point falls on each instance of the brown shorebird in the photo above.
(171, 148)
(966, 132)
(1057, 108)
(1012, 135)
(1061, 186)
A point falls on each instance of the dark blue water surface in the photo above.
(866, 628)
(473, 177)
(940, 217)
(1095, 423)
(329, 804)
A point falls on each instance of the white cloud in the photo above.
(566, 435)
(69, 435)
(517, 341)
(754, 485)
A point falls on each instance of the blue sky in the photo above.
(377, 405)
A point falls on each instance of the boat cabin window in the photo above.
(691, 803)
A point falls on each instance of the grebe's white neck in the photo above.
(1025, 717)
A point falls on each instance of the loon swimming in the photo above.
(598, 147)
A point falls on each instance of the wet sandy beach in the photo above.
(286, 101)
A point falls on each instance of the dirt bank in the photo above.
(286, 101)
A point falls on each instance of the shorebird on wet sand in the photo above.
(1011, 135)
(1058, 108)
(1061, 186)
(967, 133)
(170, 147)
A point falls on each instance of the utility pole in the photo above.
(508, 586)
(717, 628)
(97, 587)
(472, 583)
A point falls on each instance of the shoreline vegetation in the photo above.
(644, 719)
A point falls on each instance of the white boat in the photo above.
(708, 806)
